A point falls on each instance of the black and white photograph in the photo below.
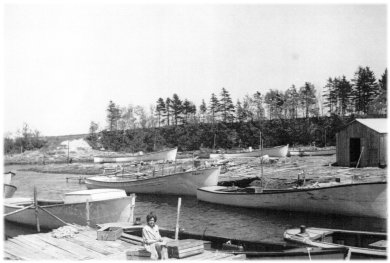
(210, 130)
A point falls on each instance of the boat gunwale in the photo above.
(61, 202)
(290, 190)
(144, 179)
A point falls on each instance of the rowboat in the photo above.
(174, 183)
(362, 244)
(358, 199)
(165, 155)
(9, 190)
(316, 152)
(278, 151)
(256, 250)
(81, 207)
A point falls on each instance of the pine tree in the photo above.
(343, 93)
(203, 110)
(214, 107)
(292, 101)
(168, 110)
(226, 106)
(160, 110)
(308, 99)
(379, 104)
(365, 89)
(113, 115)
(177, 108)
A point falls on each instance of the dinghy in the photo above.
(165, 155)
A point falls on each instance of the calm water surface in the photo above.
(196, 216)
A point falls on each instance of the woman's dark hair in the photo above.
(150, 216)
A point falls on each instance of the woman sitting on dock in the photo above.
(153, 242)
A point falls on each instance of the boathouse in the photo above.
(362, 142)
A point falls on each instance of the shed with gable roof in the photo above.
(362, 142)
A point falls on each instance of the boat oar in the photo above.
(20, 210)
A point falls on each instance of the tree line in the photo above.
(26, 139)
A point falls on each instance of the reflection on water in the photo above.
(199, 217)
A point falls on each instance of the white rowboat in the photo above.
(165, 155)
(180, 183)
(360, 199)
(104, 206)
(279, 151)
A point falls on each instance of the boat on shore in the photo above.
(278, 151)
(9, 190)
(362, 244)
(81, 207)
(164, 155)
(158, 182)
(357, 199)
(312, 152)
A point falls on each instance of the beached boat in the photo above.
(315, 152)
(359, 199)
(362, 244)
(256, 250)
(165, 155)
(175, 183)
(279, 151)
(9, 190)
(103, 206)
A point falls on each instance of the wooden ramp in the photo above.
(80, 245)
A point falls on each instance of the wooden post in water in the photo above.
(87, 212)
(36, 209)
(132, 207)
(177, 219)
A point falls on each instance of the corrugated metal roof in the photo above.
(379, 125)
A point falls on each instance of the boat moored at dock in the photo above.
(358, 199)
(174, 183)
(81, 207)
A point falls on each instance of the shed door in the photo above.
(354, 151)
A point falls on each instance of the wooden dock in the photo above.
(62, 244)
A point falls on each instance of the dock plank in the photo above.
(58, 252)
(42, 249)
(19, 251)
(77, 250)
(30, 247)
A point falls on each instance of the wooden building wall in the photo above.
(374, 144)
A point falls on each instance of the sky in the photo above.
(63, 63)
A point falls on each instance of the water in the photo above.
(196, 216)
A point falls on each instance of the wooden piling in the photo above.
(87, 212)
(132, 207)
(36, 209)
(177, 219)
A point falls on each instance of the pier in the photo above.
(81, 243)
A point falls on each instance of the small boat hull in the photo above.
(9, 190)
(166, 155)
(360, 243)
(312, 153)
(184, 183)
(102, 211)
(363, 199)
(279, 151)
(308, 253)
